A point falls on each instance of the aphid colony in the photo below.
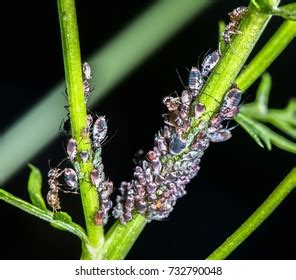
(160, 179)
(97, 130)
(231, 28)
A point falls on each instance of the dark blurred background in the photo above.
(235, 178)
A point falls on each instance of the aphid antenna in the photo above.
(180, 78)
(65, 191)
(58, 163)
(106, 140)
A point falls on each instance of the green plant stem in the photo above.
(120, 238)
(257, 218)
(77, 109)
(232, 61)
(267, 55)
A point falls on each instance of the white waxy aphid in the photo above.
(86, 71)
(97, 178)
(210, 62)
(71, 179)
(99, 131)
(220, 135)
(72, 149)
(195, 81)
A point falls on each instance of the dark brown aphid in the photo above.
(231, 28)
(237, 14)
(172, 103)
(99, 217)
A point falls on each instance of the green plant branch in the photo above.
(251, 115)
(77, 109)
(120, 238)
(218, 83)
(272, 49)
(257, 218)
(45, 215)
(233, 59)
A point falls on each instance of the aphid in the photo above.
(72, 149)
(99, 218)
(84, 155)
(87, 76)
(231, 28)
(195, 81)
(231, 101)
(99, 131)
(229, 31)
(220, 135)
(86, 71)
(71, 179)
(237, 14)
(177, 144)
(97, 178)
(97, 159)
(172, 103)
(89, 122)
(186, 98)
(198, 110)
(210, 62)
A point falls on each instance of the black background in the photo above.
(235, 178)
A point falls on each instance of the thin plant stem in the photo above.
(257, 218)
(272, 49)
(77, 109)
(114, 250)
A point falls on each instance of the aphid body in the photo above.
(72, 149)
(99, 131)
(71, 179)
(195, 81)
(210, 62)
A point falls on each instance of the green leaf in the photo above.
(34, 187)
(256, 129)
(46, 215)
(61, 216)
(287, 11)
(251, 127)
(262, 95)
(248, 126)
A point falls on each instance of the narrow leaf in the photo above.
(45, 215)
(34, 187)
(249, 129)
(287, 11)
(262, 95)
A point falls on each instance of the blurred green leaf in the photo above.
(287, 11)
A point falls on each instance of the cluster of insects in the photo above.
(97, 130)
(161, 177)
(231, 28)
